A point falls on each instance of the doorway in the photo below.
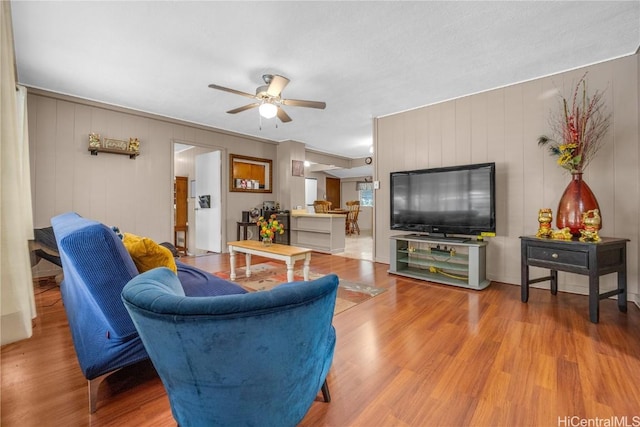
(333, 188)
(181, 217)
(310, 193)
(208, 216)
(202, 167)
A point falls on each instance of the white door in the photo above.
(208, 202)
(310, 193)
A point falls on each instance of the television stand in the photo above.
(439, 238)
(441, 260)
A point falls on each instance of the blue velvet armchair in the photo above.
(254, 359)
(96, 267)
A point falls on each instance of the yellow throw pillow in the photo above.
(147, 254)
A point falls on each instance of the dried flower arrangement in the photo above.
(579, 129)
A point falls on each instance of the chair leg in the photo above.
(325, 392)
(93, 385)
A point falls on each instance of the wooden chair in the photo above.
(321, 206)
(353, 207)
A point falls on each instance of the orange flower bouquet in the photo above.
(269, 228)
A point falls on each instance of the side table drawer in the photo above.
(560, 256)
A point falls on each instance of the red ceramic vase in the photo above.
(576, 199)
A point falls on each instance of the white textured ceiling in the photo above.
(364, 59)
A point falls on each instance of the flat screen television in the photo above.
(445, 201)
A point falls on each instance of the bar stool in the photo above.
(352, 217)
(321, 206)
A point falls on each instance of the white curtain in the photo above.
(17, 304)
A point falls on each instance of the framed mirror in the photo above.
(250, 174)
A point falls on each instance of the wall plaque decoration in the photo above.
(130, 148)
(116, 144)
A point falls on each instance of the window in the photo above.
(365, 191)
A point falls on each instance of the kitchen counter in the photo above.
(322, 232)
(321, 215)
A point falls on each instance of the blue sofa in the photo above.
(257, 359)
(96, 267)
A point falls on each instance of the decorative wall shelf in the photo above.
(95, 150)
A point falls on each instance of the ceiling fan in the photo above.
(269, 98)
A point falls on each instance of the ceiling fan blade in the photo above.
(303, 103)
(226, 89)
(244, 108)
(277, 84)
(283, 116)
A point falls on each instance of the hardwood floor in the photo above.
(419, 354)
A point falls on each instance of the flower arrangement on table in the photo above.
(269, 228)
(579, 129)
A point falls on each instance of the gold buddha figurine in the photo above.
(134, 145)
(94, 140)
(591, 221)
(544, 218)
(562, 234)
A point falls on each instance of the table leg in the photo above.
(594, 297)
(524, 281)
(232, 258)
(305, 270)
(290, 264)
(247, 258)
(554, 282)
(622, 288)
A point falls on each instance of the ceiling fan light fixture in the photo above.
(268, 99)
(268, 110)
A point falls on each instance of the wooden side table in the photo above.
(586, 258)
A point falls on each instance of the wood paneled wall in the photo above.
(502, 126)
(136, 195)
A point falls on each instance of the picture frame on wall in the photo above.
(297, 168)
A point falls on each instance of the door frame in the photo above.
(224, 183)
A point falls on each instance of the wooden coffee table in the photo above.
(286, 253)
